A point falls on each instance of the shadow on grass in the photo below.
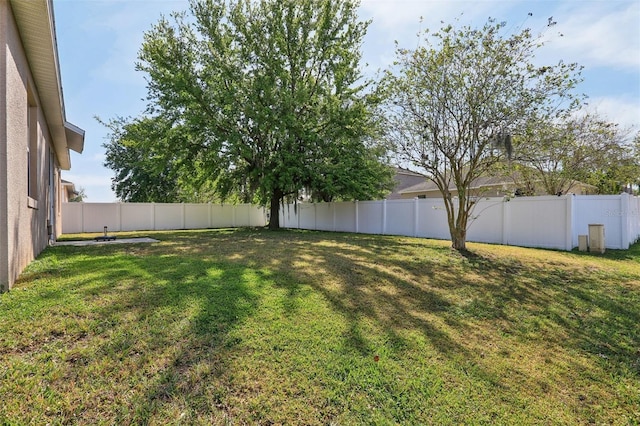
(160, 317)
(505, 290)
(167, 311)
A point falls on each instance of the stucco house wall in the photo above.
(30, 156)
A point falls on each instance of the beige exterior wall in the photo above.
(4, 252)
(23, 219)
(488, 191)
(498, 191)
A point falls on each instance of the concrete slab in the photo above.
(116, 241)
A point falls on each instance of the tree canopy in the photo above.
(454, 104)
(148, 167)
(583, 148)
(263, 98)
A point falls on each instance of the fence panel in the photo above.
(609, 211)
(136, 216)
(537, 222)
(222, 216)
(400, 217)
(95, 216)
(72, 218)
(324, 217)
(634, 220)
(370, 215)
(196, 216)
(242, 215)
(487, 220)
(549, 222)
(345, 217)
(289, 215)
(168, 216)
(307, 214)
(432, 219)
(257, 216)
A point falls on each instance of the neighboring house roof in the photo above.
(482, 182)
(69, 189)
(36, 25)
(405, 179)
(477, 184)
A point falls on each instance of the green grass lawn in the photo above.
(258, 327)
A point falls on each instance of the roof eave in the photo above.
(37, 30)
(75, 137)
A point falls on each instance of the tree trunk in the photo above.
(274, 210)
(459, 239)
(458, 218)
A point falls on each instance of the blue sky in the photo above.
(98, 41)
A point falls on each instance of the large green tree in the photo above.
(622, 172)
(454, 103)
(268, 98)
(147, 168)
(554, 155)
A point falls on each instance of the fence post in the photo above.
(624, 221)
(357, 220)
(506, 216)
(153, 216)
(568, 237)
(333, 213)
(82, 216)
(384, 216)
(415, 217)
(119, 215)
(635, 218)
(233, 215)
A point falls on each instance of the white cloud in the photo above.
(595, 33)
(402, 20)
(623, 111)
(601, 34)
(397, 15)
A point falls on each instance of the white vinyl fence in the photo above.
(93, 217)
(546, 222)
